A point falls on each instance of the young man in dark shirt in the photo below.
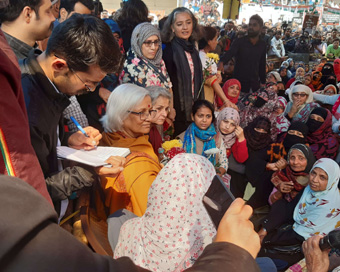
(250, 55)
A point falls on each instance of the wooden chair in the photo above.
(95, 228)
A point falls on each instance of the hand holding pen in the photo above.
(86, 138)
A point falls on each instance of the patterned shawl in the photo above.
(305, 109)
(175, 228)
(319, 212)
(323, 142)
(206, 136)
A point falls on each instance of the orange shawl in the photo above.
(129, 190)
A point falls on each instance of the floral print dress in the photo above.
(143, 73)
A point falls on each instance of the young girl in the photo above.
(212, 82)
(200, 135)
(230, 140)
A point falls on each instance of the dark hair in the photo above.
(68, 5)
(336, 39)
(203, 103)
(168, 35)
(209, 33)
(84, 40)
(133, 13)
(98, 8)
(161, 23)
(278, 33)
(257, 18)
(334, 30)
(14, 9)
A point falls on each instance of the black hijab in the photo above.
(327, 71)
(307, 152)
(257, 140)
(290, 140)
(314, 125)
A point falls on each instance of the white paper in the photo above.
(95, 157)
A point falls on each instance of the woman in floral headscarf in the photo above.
(261, 103)
(144, 65)
(230, 139)
(282, 123)
(176, 227)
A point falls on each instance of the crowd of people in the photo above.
(265, 125)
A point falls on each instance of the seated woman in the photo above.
(257, 134)
(299, 76)
(200, 135)
(283, 74)
(260, 103)
(308, 81)
(316, 81)
(335, 101)
(265, 158)
(127, 123)
(293, 178)
(176, 226)
(273, 77)
(160, 99)
(315, 212)
(144, 65)
(301, 104)
(282, 123)
(229, 140)
(212, 82)
(320, 138)
(232, 90)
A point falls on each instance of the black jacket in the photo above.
(44, 108)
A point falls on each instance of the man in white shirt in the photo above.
(276, 48)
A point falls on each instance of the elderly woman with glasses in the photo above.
(301, 104)
(127, 123)
(144, 65)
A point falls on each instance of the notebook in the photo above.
(95, 157)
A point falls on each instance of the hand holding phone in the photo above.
(217, 200)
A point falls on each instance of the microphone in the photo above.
(331, 240)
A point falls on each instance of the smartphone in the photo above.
(217, 200)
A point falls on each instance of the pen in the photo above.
(78, 126)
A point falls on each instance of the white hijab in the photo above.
(319, 212)
(175, 228)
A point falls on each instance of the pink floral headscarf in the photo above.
(175, 228)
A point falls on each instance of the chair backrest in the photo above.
(95, 230)
(94, 227)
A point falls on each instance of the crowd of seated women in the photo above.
(276, 147)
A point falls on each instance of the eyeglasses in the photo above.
(149, 43)
(299, 94)
(86, 85)
(143, 115)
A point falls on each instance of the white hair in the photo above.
(124, 98)
(157, 91)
